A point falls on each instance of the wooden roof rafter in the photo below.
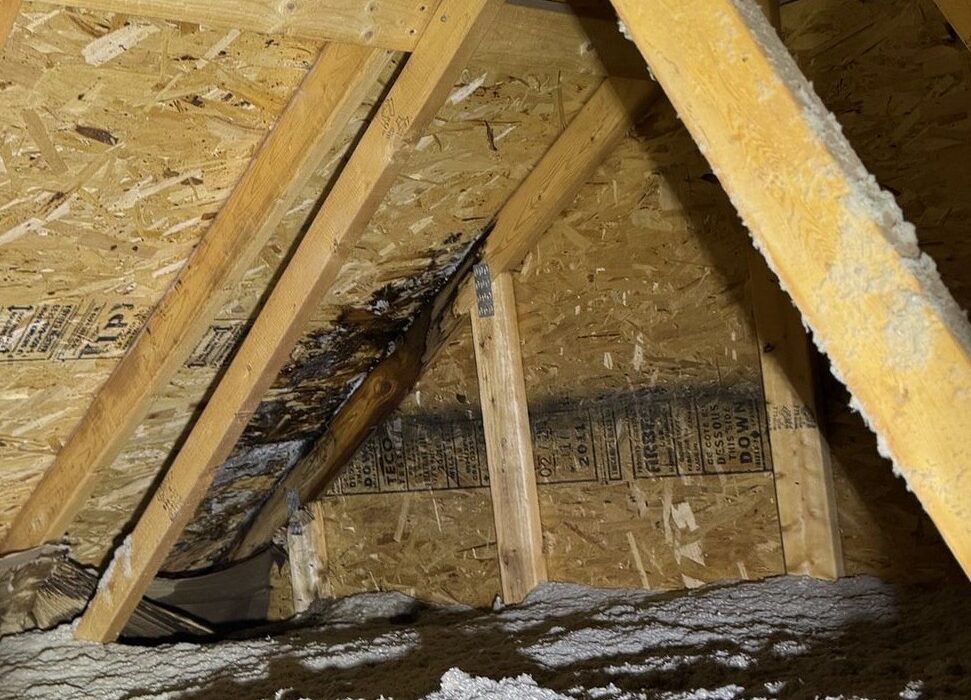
(839, 244)
(548, 189)
(801, 460)
(305, 133)
(430, 72)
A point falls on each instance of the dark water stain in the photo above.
(324, 370)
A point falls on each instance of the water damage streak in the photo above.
(324, 370)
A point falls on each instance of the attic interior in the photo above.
(445, 350)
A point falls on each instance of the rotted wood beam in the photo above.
(431, 70)
(304, 134)
(549, 188)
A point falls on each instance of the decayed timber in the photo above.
(838, 243)
(306, 131)
(531, 33)
(958, 15)
(509, 444)
(430, 72)
(307, 553)
(383, 389)
(800, 455)
(548, 188)
(8, 13)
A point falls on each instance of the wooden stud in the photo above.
(428, 75)
(839, 244)
(307, 554)
(958, 15)
(803, 472)
(534, 33)
(9, 9)
(547, 190)
(801, 462)
(509, 444)
(305, 132)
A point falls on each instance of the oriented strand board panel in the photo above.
(602, 318)
(219, 91)
(642, 376)
(635, 301)
(101, 204)
(493, 127)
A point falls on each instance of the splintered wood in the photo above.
(634, 430)
(478, 149)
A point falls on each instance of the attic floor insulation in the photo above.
(786, 637)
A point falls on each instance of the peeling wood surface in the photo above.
(524, 216)
(345, 214)
(900, 85)
(486, 137)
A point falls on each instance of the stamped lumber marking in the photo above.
(641, 435)
(91, 329)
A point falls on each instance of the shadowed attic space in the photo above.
(453, 299)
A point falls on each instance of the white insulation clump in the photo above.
(122, 558)
(908, 331)
(780, 638)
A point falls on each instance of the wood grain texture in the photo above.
(546, 191)
(304, 134)
(429, 74)
(536, 33)
(383, 389)
(9, 9)
(958, 15)
(801, 462)
(509, 444)
(839, 244)
(805, 492)
(554, 182)
(307, 554)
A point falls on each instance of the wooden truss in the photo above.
(837, 244)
